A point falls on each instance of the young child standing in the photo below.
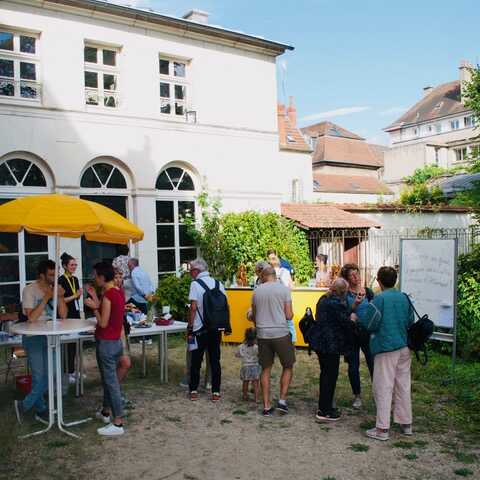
(250, 370)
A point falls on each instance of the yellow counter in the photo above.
(240, 300)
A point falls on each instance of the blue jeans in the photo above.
(108, 354)
(353, 360)
(36, 347)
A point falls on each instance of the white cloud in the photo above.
(339, 112)
(392, 111)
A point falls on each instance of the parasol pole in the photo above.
(55, 288)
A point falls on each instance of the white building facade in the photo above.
(140, 112)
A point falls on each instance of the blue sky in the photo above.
(358, 63)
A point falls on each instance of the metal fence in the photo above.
(372, 248)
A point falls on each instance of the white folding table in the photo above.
(54, 330)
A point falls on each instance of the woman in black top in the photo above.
(73, 292)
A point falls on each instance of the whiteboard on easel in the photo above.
(428, 270)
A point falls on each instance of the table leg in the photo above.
(80, 369)
(165, 356)
(78, 373)
(144, 358)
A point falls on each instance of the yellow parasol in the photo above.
(65, 216)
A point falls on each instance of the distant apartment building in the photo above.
(346, 168)
(141, 112)
(437, 130)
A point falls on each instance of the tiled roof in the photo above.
(329, 129)
(324, 182)
(347, 151)
(290, 136)
(441, 101)
(316, 215)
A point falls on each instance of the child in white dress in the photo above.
(250, 369)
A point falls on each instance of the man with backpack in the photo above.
(209, 317)
(388, 319)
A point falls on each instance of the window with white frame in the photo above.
(21, 252)
(19, 66)
(454, 124)
(438, 128)
(175, 246)
(469, 121)
(101, 75)
(174, 86)
(437, 155)
(461, 154)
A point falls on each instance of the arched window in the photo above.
(173, 179)
(18, 172)
(19, 252)
(175, 246)
(103, 175)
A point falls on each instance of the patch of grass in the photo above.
(324, 427)
(411, 456)
(464, 457)
(359, 447)
(403, 444)
(239, 411)
(329, 478)
(420, 443)
(463, 472)
(224, 421)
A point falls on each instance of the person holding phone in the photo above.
(358, 298)
(73, 292)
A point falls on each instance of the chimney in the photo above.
(426, 90)
(292, 113)
(465, 76)
(197, 16)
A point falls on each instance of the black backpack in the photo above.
(305, 324)
(216, 314)
(419, 333)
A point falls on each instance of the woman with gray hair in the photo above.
(331, 337)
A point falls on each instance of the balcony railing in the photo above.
(25, 89)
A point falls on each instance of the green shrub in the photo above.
(421, 194)
(228, 240)
(173, 291)
(421, 175)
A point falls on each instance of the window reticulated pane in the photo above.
(28, 71)
(164, 90)
(7, 88)
(31, 263)
(35, 178)
(90, 54)
(117, 180)
(186, 240)
(166, 260)
(6, 68)
(109, 57)
(9, 271)
(187, 254)
(165, 212)
(165, 236)
(103, 171)
(10, 297)
(164, 67)
(179, 108)
(109, 82)
(175, 175)
(35, 243)
(27, 44)
(165, 106)
(8, 242)
(187, 183)
(6, 178)
(89, 180)
(185, 209)
(91, 79)
(179, 92)
(6, 41)
(179, 69)
(19, 168)
(163, 182)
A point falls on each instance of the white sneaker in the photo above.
(377, 434)
(111, 430)
(72, 379)
(357, 403)
(105, 419)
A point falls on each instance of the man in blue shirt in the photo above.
(141, 285)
